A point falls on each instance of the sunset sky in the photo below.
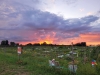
(52, 21)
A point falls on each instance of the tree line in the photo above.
(7, 43)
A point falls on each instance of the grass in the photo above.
(35, 62)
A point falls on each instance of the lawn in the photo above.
(35, 61)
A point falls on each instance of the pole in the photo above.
(72, 56)
(18, 57)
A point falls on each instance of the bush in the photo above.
(98, 68)
(86, 69)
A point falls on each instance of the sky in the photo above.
(51, 21)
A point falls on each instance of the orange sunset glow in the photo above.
(47, 42)
(39, 21)
(65, 30)
(89, 38)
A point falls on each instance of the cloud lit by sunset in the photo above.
(50, 21)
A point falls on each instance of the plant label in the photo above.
(19, 50)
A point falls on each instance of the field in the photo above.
(35, 60)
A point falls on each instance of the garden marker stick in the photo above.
(19, 51)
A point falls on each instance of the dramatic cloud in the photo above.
(22, 23)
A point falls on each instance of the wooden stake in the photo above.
(18, 57)
(72, 56)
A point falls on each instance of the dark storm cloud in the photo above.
(44, 20)
(20, 20)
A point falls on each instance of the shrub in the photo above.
(86, 69)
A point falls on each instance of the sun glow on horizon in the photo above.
(47, 42)
(89, 38)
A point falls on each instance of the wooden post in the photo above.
(18, 57)
(72, 56)
(19, 51)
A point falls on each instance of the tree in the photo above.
(4, 43)
(36, 44)
(81, 44)
(12, 43)
(44, 43)
(29, 44)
